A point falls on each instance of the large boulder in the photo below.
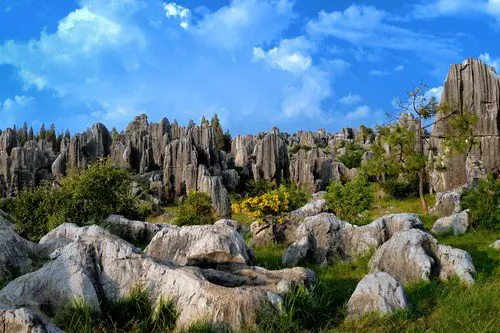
(377, 292)
(413, 255)
(316, 240)
(204, 245)
(17, 255)
(312, 208)
(456, 224)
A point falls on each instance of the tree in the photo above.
(204, 121)
(400, 147)
(220, 140)
(31, 135)
(67, 136)
(22, 134)
(50, 135)
(41, 133)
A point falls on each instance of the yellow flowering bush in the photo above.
(272, 204)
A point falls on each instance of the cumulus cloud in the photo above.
(173, 10)
(291, 55)
(350, 99)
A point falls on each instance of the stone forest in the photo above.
(163, 227)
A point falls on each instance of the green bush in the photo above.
(85, 196)
(349, 200)
(255, 188)
(353, 155)
(32, 210)
(484, 204)
(196, 209)
(401, 189)
(297, 196)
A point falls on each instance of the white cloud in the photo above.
(437, 8)
(350, 99)
(368, 27)
(173, 10)
(435, 92)
(245, 22)
(399, 68)
(378, 73)
(359, 113)
(291, 55)
(488, 60)
(16, 102)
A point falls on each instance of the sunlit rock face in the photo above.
(471, 86)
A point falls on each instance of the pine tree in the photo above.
(215, 123)
(50, 136)
(31, 134)
(41, 133)
(67, 136)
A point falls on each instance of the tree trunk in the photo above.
(423, 202)
(421, 172)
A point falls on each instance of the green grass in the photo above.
(134, 313)
(437, 306)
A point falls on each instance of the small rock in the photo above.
(496, 244)
(377, 292)
(456, 224)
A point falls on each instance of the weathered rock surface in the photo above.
(342, 239)
(310, 209)
(213, 186)
(17, 255)
(99, 266)
(271, 157)
(25, 321)
(496, 244)
(414, 255)
(456, 224)
(448, 203)
(205, 246)
(377, 292)
(471, 86)
(137, 232)
(316, 240)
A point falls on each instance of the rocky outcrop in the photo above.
(17, 255)
(323, 237)
(136, 232)
(203, 245)
(100, 267)
(89, 146)
(377, 292)
(414, 255)
(213, 186)
(271, 157)
(471, 86)
(456, 224)
(312, 208)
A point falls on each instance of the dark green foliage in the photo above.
(196, 209)
(353, 155)
(298, 197)
(32, 210)
(349, 200)
(85, 196)
(484, 204)
(259, 187)
(401, 189)
(134, 313)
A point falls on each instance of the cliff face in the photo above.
(471, 86)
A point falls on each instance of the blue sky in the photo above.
(304, 64)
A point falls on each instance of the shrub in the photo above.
(484, 204)
(85, 196)
(401, 189)
(196, 209)
(348, 201)
(298, 148)
(32, 210)
(353, 155)
(273, 203)
(259, 187)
